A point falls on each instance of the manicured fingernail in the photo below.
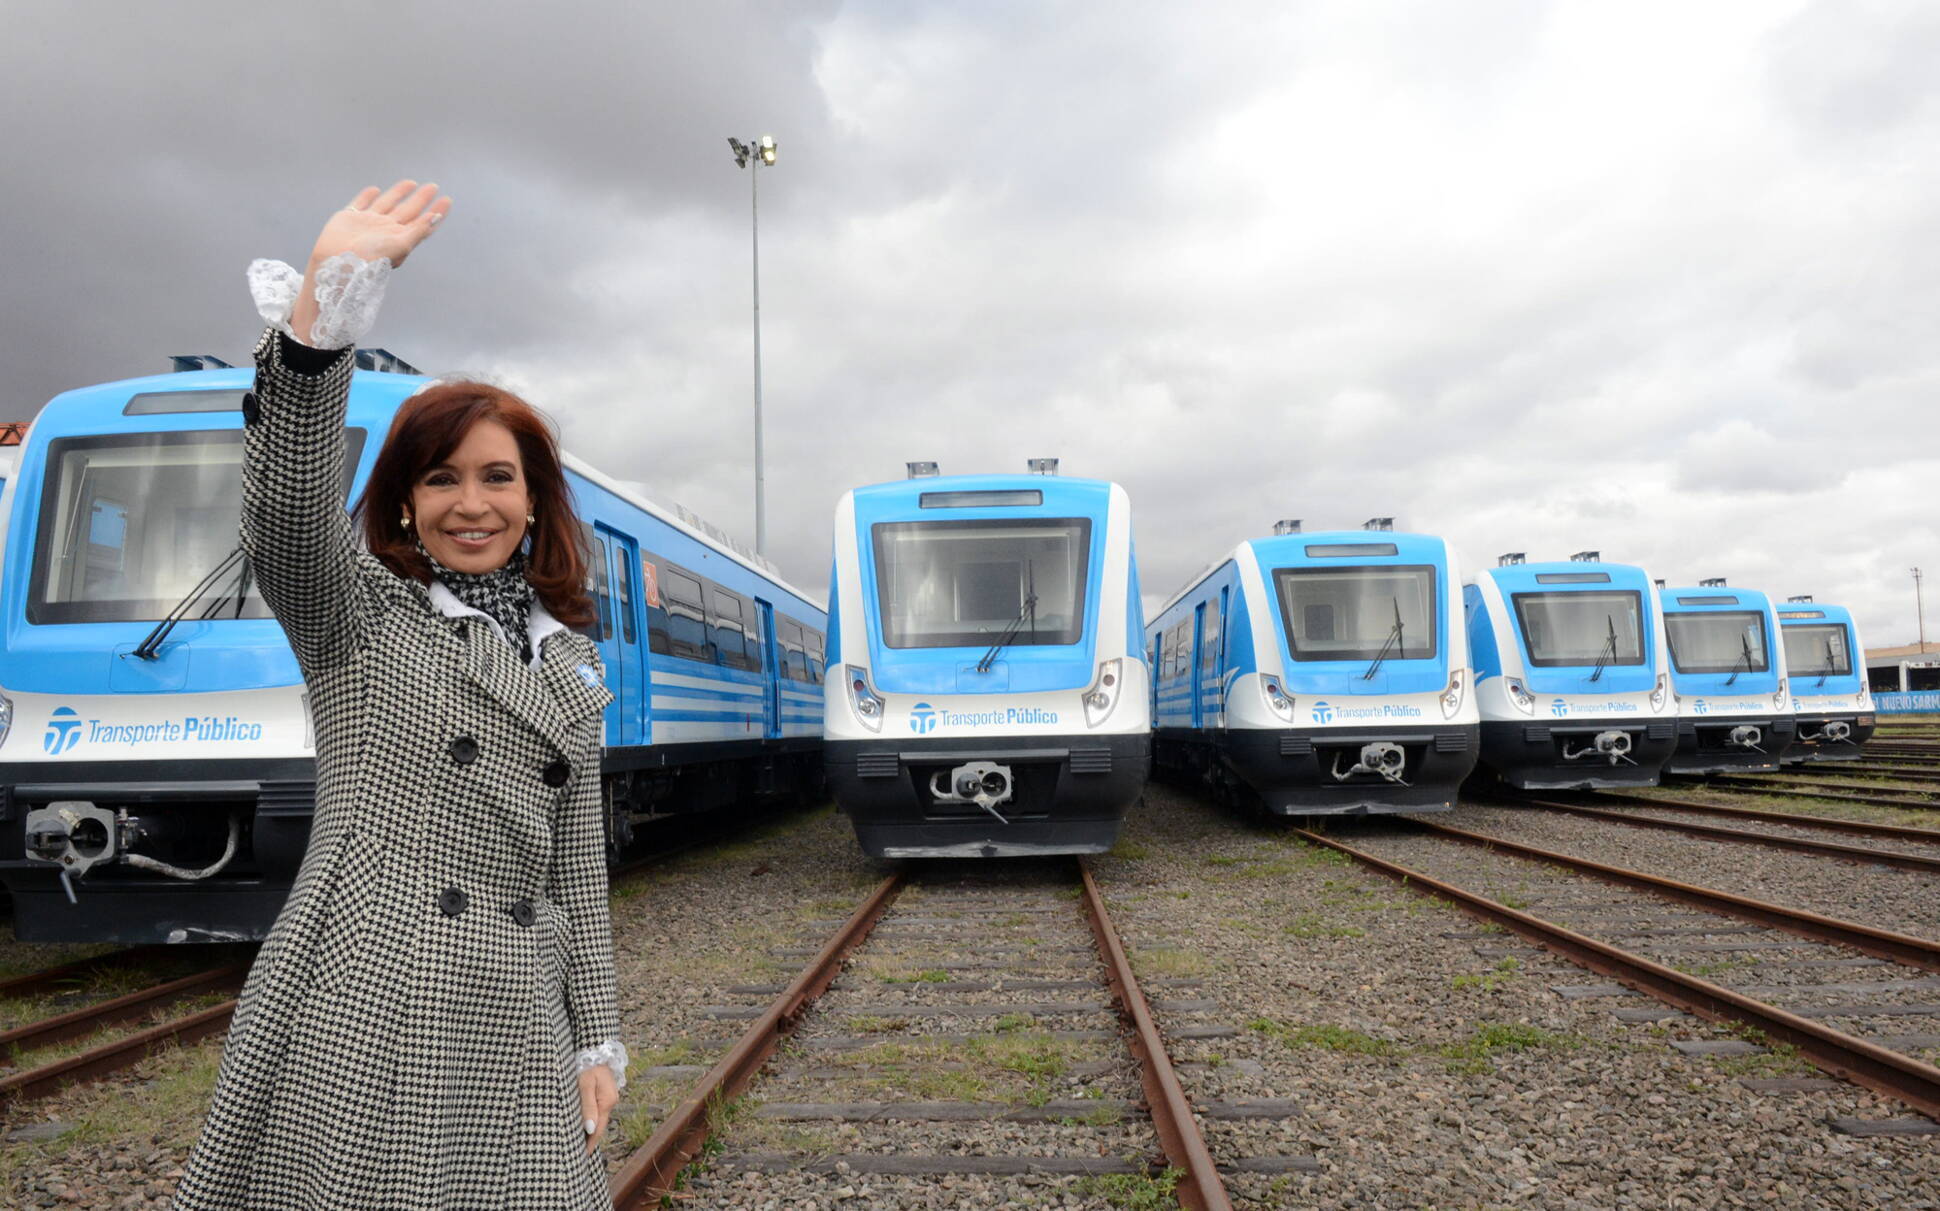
(591, 1126)
(436, 217)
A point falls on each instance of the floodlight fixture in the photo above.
(1587, 557)
(1509, 559)
(1042, 466)
(1286, 525)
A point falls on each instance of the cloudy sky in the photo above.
(1656, 279)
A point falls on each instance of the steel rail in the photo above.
(1929, 864)
(89, 1018)
(1828, 781)
(1864, 1063)
(1200, 1188)
(48, 979)
(1828, 795)
(113, 1057)
(1834, 824)
(652, 1171)
(1881, 943)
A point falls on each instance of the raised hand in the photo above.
(390, 223)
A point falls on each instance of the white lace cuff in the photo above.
(349, 292)
(611, 1053)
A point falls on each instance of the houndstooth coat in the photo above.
(406, 1037)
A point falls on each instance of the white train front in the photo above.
(985, 693)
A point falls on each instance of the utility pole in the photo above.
(1920, 610)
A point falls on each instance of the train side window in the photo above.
(686, 620)
(658, 637)
(816, 656)
(1209, 642)
(792, 661)
(725, 631)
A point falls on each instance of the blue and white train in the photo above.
(1733, 711)
(1830, 699)
(1318, 674)
(157, 772)
(985, 694)
(1572, 674)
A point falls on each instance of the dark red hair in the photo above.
(427, 428)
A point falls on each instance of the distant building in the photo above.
(1903, 669)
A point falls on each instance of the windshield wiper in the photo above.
(1394, 637)
(1744, 660)
(239, 594)
(151, 647)
(1029, 611)
(1831, 664)
(1609, 651)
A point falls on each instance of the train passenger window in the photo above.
(793, 660)
(658, 639)
(625, 596)
(817, 655)
(1209, 642)
(686, 620)
(725, 631)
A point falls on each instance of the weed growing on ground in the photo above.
(1133, 1191)
(1326, 1037)
(870, 1024)
(1471, 1056)
(933, 975)
(1173, 962)
(1104, 1116)
(1310, 925)
(1126, 850)
(1782, 1059)
(1487, 981)
(1013, 1021)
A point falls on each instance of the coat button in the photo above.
(463, 750)
(249, 409)
(524, 914)
(557, 773)
(452, 901)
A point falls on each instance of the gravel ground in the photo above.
(1804, 829)
(1434, 1072)
(1844, 809)
(1905, 901)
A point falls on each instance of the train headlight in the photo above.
(1103, 694)
(1453, 695)
(1277, 700)
(1660, 696)
(1521, 697)
(863, 697)
(1778, 699)
(6, 717)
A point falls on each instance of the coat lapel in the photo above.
(560, 689)
(490, 663)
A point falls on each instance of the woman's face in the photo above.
(469, 511)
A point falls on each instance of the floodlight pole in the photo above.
(1920, 610)
(752, 156)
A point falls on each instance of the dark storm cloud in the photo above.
(1653, 279)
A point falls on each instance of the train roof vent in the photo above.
(13, 432)
(1509, 559)
(922, 470)
(1712, 582)
(1286, 525)
(1587, 557)
(179, 362)
(384, 361)
(1378, 523)
(1800, 597)
(1042, 466)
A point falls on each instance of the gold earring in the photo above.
(405, 521)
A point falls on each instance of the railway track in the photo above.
(1747, 783)
(149, 1007)
(1031, 968)
(1807, 960)
(1927, 862)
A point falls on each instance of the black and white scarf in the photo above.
(504, 596)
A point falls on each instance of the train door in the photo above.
(622, 650)
(770, 669)
(1195, 661)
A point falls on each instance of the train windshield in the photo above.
(1819, 650)
(1598, 628)
(129, 523)
(1727, 641)
(1359, 613)
(948, 584)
